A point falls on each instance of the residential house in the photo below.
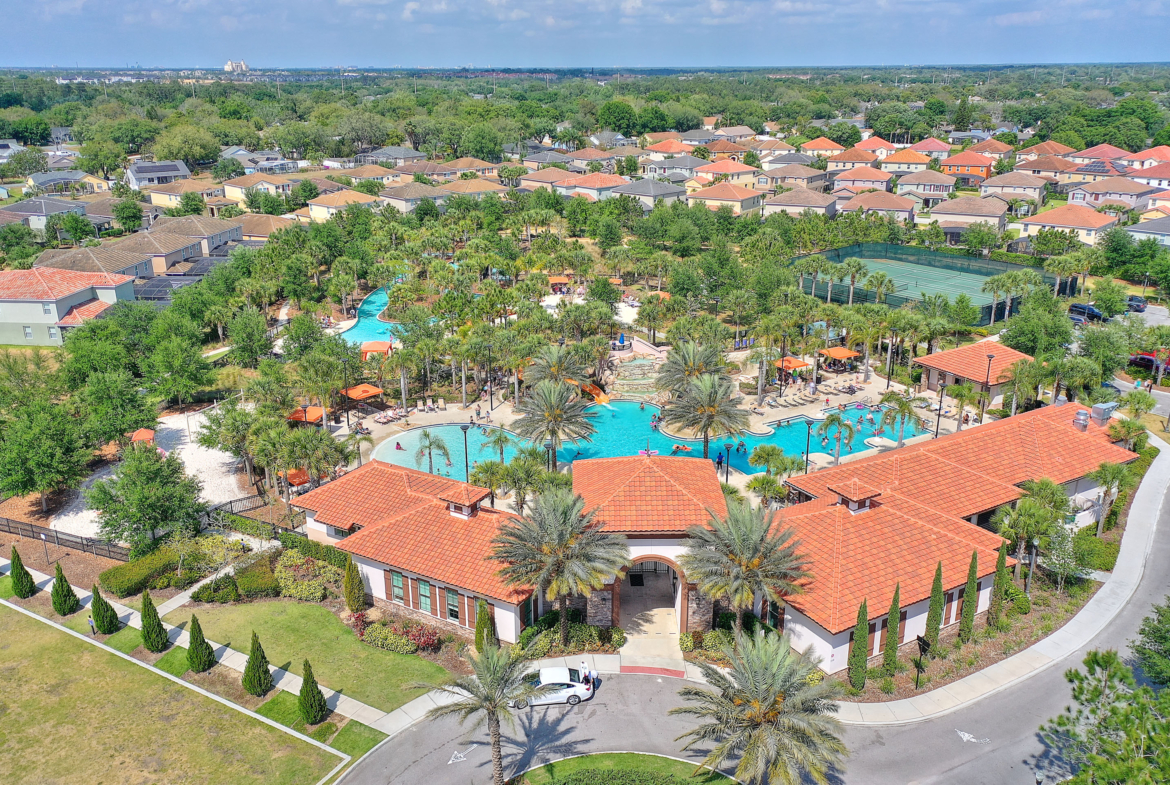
(882, 202)
(429, 169)
(985, 365)
(1153, 156)
(1088, 224)
(668, 148)
(683, 164)
(475, 166)
(1101, 152)
(1097, 170)
(171, 194)
(596, 187)
(237, 188)
(927, 187)
(992, 148)
(1158, 175)
(545, 178)
(474, 188)
(374, 172)
(534, 162)
(37, 306)
(966, 210)
(968, 167)
(1043, 149)
(36, 211)
(140, 175)
(698, 137)
(735, 172)
(1157, 229)
(65, 181)
(212, 233)
(322, 208)
(791, 176)
(259, 227)
(265, 162)
(935, 148)
(9, 148)
(769, 146)
(106, 259)
(1051, 168)
(735, 133)
(710, 123)
(1120, 192)
(724, 150)
(587, 155)
(164, 250)
(862, 178)
(851, 159)
(797, 200)
(1015, 185)
(391, 156)
(778, 159)
(822, 147)
(650, 192)
(103, 210)
(59, 135)
(404, 198)
(662, 136)
(962, 137)
(741, 200)
(607, 139)
(878, 146)
(904, 162)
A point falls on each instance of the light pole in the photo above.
(987, 384)
(548, 448)
(491, 394)
(466, 469)
(727, 464)
(942, 388)
(807, 444)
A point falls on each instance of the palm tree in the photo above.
(1138, 403)
(687, 361)
(1127, 431)
(744, 555)
(771, 708)
(964, 395)
(740, 303)
(1112, 478)
(768, 488)
(1061, 267)
(705, 406)
(491, 475)
(1080, 374)
(839, 424)
(559, 548)
(522, 476)
(499, 681)
(834, 273)
(498, 439)
(1029, 520)
(553, 411)
(428, 445)
(994, 285)
(1022, 380)
(773, 459)
(855, 270)
(402, 360)
(901, 410)
(556, 364)
(881, 285)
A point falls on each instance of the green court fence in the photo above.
(926, 258)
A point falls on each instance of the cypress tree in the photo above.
(859, 649)
(890, 655)
(970, 600)
(311, 702)
(257, 677)
(485, 632)
(154, 635)
(200, 657)
(934, 615)
(65, 599)
(105, 618)
(998, 590)
(23, 585)
(355, 592)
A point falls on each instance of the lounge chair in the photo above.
(430, 404)
(419, 407)
(442, 404)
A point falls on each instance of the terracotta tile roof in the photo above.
(970, 361)
(367, 171)
(1046, 148)
(1159, 171)
(1016, 179)
(855, 154)
(802, 197)
(1105, 167)
(342, 198)
(991, 207)
(650, 493)
(1159, 153)
(874, 143)
(662, 136)
(10, 218)
(990, 146)
(186, 186)
(725, 192)
(412, 190)
(51, 283)
(251, 180)
(671, 146)
(590, 154)
(821, 143)
(725, 167)
(81, 312)
(967, 158)
(549, 175)
(477, 186)
(263, 225)
(1118, 185)
(799, 171)
(1074, 216)
(423, 167)
(595, 180)
(862, 174)
(470, 163)
(878, 200)
(927, 177)
(851, 559)
(1106, 151)
(1048, 163)
(736, 130)
(978, 469)
(405, 523)
(906, 156)
(725, 146)
(770, 145)
(931, 145)
(855, 490)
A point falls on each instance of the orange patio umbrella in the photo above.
(790, 364)
(361, 392)
(300, 415)
(839, 353)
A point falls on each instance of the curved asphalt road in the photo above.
(629, 714)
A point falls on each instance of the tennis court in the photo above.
(913, 280)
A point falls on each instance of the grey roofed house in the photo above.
(144, 173)
(547, 157)
(650, 188)
(927, 177)
(1158, 229)
(43, 205)
(45, 181)
(61, 134)
(525, 148)
(698, 137)
(802, 197)
(396, 154)
(414, 191)
(687, 163)
(59, 161)
(104, 208)
(97, 259)
(608, 138)
(790, 158)
(971, 205)
(9, 148)
(677, 178)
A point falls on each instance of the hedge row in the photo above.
(1137, 470)
(247, 526)
(132, 577)
(618, 777)
(1094, 553)
(313, 549)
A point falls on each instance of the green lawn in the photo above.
(124, 640)
(74, 713)
(6, 588)
(620, 761)
(356, 739)
(291, 631)
(174, 661)
(283, 708)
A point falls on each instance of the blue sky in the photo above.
(566, 33)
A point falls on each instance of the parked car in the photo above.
(1079, 321)
(1145, 361)
(1087, 311)
(1136, 304)
(567, 687)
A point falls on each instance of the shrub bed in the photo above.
(383, 637)
(247, 526)
(222, 589)
(1094, 553)
(314, 550)
(258, 579)
(304, 578)
(132, 577)
(618, 777)
(542, 638)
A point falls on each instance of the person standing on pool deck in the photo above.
(719, 462)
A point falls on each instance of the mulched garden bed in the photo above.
(227, 683)
(81, 569)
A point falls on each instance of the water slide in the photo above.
(598, 395)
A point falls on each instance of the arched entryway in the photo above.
(651, 604)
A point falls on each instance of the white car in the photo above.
(567, 687)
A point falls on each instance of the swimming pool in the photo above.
(369, 327)
(623, 428)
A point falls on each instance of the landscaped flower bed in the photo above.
(542, 639)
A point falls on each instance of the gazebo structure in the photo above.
(376, 347)
(838, 353)
(362, 392)
(142, 436)
(309, 414)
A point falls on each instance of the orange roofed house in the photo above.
(970, 168)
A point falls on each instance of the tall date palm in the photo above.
(705, 406)
(555, 412)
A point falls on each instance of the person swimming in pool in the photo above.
(398, 446)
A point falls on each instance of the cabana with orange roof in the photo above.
(142, 436)
(376, 347)
(362, 392)
(306, 414)
(790, 364)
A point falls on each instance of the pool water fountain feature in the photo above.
(633, 378)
